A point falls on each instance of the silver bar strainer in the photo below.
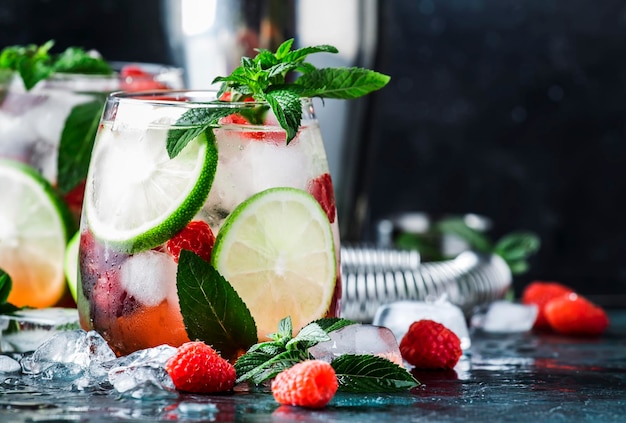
(373, 276)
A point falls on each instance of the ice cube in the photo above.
(77, 347)
(143, 372)
(506, 317)
(150, 277)
(27, 329)
(359, 339)
(9, 365)
(247, 167)
(69, 360)
(399, 315)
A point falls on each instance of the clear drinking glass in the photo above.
(259, 209)
(34, 128)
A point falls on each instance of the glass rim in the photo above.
(184, 98)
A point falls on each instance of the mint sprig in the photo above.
(360, 373)
(35, 63)
(281, 79)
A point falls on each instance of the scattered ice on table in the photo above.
(359, 339)
(9, 365)
(25, 330)
(506, 317)
(399, 315)
(142, 374)
(71, 359)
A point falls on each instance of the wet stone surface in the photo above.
(535, 377)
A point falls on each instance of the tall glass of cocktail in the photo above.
(206, 209)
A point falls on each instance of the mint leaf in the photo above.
(191, 124)
(515, 248)
(5, 286)
(212, 310)
(370, 373)
(308, 336)
(5, 289)
(33, 63)
(258, 367)
(76, 143)
(330, 324)
(340, 83)
(287, 107)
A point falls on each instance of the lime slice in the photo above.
(136, 197)
(71, 263)
(34, 227)
(276, 249)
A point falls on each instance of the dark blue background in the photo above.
(510, 109)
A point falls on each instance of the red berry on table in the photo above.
(540, 293)
(197, 236)
(322, 189)
(430, 345)
(572, 314)
(310, 384)
(198, 368)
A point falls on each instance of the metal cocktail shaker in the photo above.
(208, 37)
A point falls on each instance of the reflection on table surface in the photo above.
(542, 377)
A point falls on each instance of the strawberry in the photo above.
(197, 236)
(136, 79)
(310, 384)
(198, 368)
(572, 314)
(430, 345)
(322, 189)
(540, 293)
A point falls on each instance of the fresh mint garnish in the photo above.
(76, 143)
(281, 80)
(515, 248)
(371, 373)
(36, 63)
(355, 373)
(212, 310)
(77, 60)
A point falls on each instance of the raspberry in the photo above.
(572, 314)
(540, 293)
(197, 236)
(198, 368)
(136, 79)
(430, 345)
(310, 384)
(322, 189)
